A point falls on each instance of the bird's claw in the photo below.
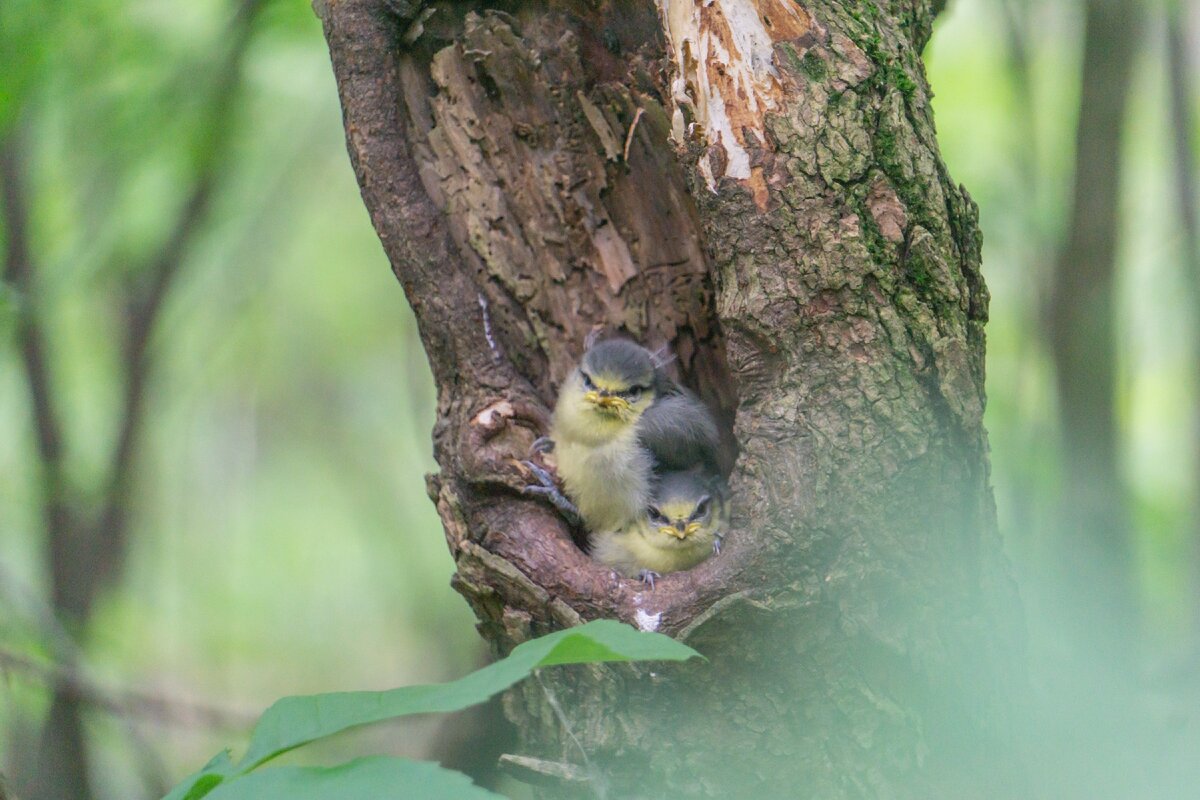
(648, 576)
(547, 488)
(545, 479)
(717, 544)
(542, 445)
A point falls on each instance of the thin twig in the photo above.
(629, 136)
(124, 702)
(29, 605)
(52, 633)
(595, 778)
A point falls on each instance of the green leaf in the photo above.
(199, 784)
(294, 721)
(372, 778)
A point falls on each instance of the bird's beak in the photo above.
(692, 528)
(671, 530)
(606, 401)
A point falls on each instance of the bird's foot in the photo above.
(547, 488)
(717, 544)
(542, 445)
(648, 576)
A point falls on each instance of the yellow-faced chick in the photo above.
(680, 528)
(605, 471)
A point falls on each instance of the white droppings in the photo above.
(487, 329)
(647, 622)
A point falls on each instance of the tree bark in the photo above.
(757, 184)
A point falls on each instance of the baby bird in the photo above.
(680, 528)
(619, 422)
(605, 470)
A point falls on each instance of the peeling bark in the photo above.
(797, 241)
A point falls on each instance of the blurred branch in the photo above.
(19, 272)
(83, 555)
(147, 297)
(1179, 75)
(66, 651)
(27, 603)
(128, 703)
(67, 677)
(1180, 86)
(1094, 546)
(1017, 27)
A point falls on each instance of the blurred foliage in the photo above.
(1014, 153)
(282, 542)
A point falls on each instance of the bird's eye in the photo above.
(655, 514)
(587, 382)
(635, 392)
(702, 508)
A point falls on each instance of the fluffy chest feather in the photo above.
(609, 483)
(631, 551)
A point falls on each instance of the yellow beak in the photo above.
(671, 530)
(606, 401)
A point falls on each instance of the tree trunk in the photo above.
(1094, 549)
(1180, 82)
(757, 185)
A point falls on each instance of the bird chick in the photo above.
(679, 528)
(605, 470)
(618, 424)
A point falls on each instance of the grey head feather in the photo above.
(621, 359)
(680, 433)
(690, 484)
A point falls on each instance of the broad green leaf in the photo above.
(294, 721)
(199, 784)
(372, 778)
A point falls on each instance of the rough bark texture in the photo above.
(757, 184)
